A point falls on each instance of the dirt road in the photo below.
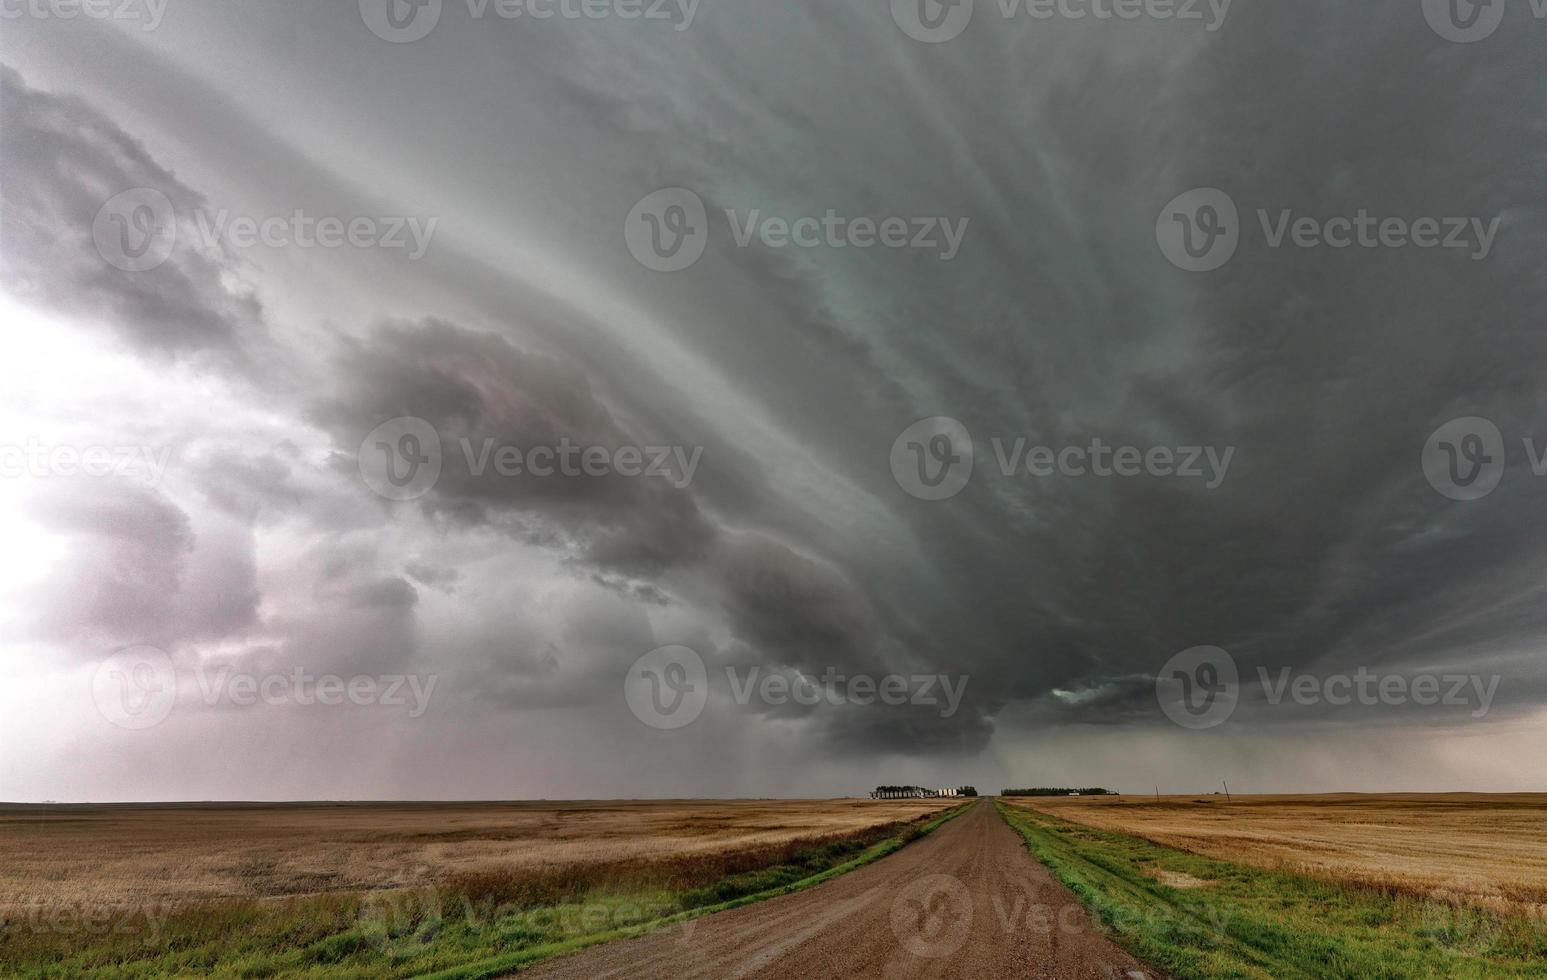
(965, 902)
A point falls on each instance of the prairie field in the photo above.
(1488, 850)
(1199, 917)
(389, 890)
(185, 853)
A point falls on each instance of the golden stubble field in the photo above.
(114, 855)
(1486, 849)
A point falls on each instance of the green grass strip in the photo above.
(1252, 924)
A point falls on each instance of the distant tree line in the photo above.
(1055, 791)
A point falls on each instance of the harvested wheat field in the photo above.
(1487, 849)
(119, 854)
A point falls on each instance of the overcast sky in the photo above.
(1124, 230)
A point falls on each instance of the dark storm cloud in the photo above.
(1326, 370)
(792, 606)
(480, 386)
(794, 550)
(483, 394)
(63, 161)
(512, 661)
(788, 610)
(1060, 321)
(1325, 549)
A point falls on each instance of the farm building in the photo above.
(912, 793)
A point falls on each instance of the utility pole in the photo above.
(1227, 791)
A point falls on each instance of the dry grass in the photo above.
(119, 855)
(1483, 849)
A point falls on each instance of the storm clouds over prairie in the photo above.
(496, 353)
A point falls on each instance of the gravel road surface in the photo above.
(965, 902)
